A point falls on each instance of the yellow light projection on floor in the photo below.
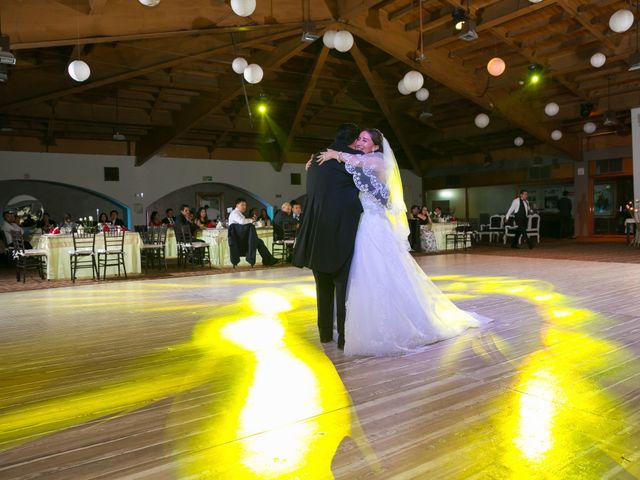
(253, 397)
(559, 407)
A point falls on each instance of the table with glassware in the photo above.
(58, 247)
(440, 231)
(217, 239)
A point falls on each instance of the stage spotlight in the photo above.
(585, 109)
(262, 108)
(535, 74)
(459, 17)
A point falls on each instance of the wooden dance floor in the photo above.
(223, 377)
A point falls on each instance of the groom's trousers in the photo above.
(330, 286)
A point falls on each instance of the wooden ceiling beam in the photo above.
(231, 86)
(302, 105)
(185, 57)
(376, 86)
(486, 18)
(96, 7)
(463, 81)
(572, 7)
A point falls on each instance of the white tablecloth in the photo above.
(219, 244)
(58, 247)
(440, 230)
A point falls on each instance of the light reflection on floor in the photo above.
(270, 402)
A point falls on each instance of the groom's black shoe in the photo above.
(326, 337)
(341, 342)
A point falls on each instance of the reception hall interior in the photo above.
(153, 184)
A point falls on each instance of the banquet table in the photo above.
(217, 239)
(58, 247)
(440, 230)
(632, 226)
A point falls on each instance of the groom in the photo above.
(327, 233)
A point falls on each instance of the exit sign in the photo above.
(207, 178)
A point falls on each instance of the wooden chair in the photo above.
(282, 247)
(27, 259)
(112, 255)
(189, 251)
(83, 254)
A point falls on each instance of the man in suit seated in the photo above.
(236, 217)
(282, 217)
(169, 220)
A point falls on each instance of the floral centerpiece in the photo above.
(26, 218)
(87, 225)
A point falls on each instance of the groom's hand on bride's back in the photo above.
(312, 157)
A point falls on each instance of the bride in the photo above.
(392, 305)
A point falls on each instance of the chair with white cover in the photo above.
(495, 228)
(533, 226)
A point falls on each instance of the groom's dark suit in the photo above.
(327, 236)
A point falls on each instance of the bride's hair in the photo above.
(376, 137)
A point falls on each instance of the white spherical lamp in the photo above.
(329, 38)
(551, 109)
(413, 80)
(253, 73)
(343, 41)
(556, 135)
(496, 66)
(518, 141)
(149, 3)
(597, 60)
(238, 65)
(243, 8)
(402, 88)
(621, 20)
(79, 70)
(481, 120)
(589, 128)
(422, 94)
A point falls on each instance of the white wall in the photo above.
(161, 175)
(455, 196)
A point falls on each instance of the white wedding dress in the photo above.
(392, 306)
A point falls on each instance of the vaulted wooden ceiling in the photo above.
(162, 77)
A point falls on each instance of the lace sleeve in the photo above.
(368, 174)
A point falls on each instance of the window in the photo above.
(111, 174)
(296, 179)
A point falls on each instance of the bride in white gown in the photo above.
(392, 305)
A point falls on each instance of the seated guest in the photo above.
(115, 221)
(253, 213)
(155, 220)
(201, 220)
(282, 217)
(10, 228)
(412, 214)
(46, 223)
(264, 217)
(103, 218)
(437, 214)
(169, 219)
(296, 212)
(68, 224)
(423, 216)
(236, 217)
(185, 218)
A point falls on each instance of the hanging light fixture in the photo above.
(422, 94)
(238, 65)
(598, 59)
(402, 88)
(518, 141)
(243, 8)
(329, 38)
(551, 109)
(496, 66)
(253, 73)
(621, 21)
(149, 3)
(78, 69)
(413, 80)
(556, 135)
(481, 120)
(117, 136)
(343, 41)
(589, 128)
